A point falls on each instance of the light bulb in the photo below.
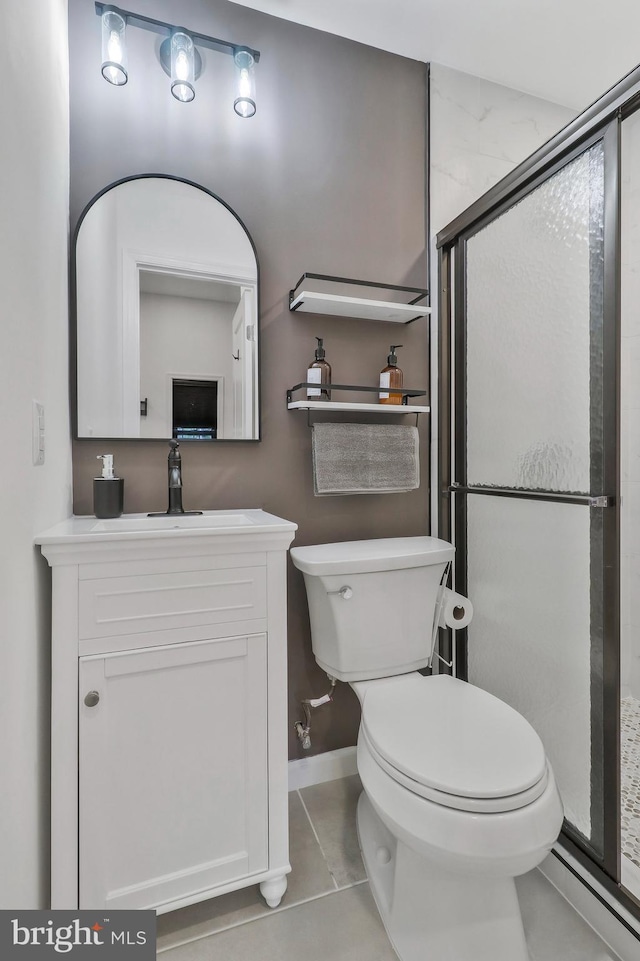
(182, 66)
(114, 46)
(244, 84)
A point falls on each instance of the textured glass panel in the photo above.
(534, 282)
(530, 637)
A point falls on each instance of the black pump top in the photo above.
(319, 349)
(392, 358)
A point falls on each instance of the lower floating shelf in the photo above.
(377, 408)
(365, 408)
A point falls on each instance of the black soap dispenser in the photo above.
(108, 490)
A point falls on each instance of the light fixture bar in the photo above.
(166, 29)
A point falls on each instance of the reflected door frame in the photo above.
(133, 263)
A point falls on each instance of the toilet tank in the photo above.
(372, 603)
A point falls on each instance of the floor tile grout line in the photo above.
(315, 834)
(259, 917)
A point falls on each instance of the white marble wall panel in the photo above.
(480, 131)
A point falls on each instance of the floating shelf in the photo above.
(332, 405)
(365, 408)
(338, 305)
(310, 302)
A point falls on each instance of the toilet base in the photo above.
(429, 914)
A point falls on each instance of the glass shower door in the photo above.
(534, 514)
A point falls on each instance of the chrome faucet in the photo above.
(175, 483)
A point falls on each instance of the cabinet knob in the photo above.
(92, 698)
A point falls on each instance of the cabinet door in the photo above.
(173, 771)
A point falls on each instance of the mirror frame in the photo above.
(73, 318)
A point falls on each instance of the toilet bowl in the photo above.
(477, 797)
(459, 798)
(451, 813)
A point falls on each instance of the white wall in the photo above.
(34, 181)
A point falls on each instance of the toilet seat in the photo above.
(453, 743)
(498, 805)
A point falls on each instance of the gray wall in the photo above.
(329, 176)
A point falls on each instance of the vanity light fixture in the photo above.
(178, 54)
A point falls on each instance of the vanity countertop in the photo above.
(240, 525)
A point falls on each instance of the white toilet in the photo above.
(459, 797)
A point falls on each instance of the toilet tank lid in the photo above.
(381, 554)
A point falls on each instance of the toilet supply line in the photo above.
(303, 730)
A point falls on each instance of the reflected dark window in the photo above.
(195, 409)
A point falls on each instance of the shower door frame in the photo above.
(600, 122)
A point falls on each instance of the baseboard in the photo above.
(322, 767)
(610, 920)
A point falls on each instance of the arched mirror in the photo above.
(166, 315)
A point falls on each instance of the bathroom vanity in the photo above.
(169, 716)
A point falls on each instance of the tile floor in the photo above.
(328, 911)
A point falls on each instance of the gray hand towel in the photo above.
(364, 458)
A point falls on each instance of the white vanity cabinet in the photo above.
(169, 726)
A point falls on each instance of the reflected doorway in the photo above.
(195, 409)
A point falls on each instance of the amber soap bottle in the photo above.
(319, 372)
(391, 376)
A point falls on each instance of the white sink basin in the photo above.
(187, 531)
(204, 521)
